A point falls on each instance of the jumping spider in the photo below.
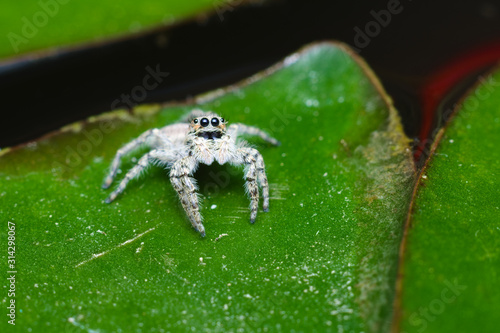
(203, 138)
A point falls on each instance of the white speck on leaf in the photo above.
(312, 102)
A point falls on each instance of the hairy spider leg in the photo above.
(235, 130)
(254, 169)
(157, 155)
(186, 189)
(153, 137)
(238, 129)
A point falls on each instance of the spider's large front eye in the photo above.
(204, 122)
(215, 122)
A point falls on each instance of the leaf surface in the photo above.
(32, 25)
(323, 257)
(452, 254)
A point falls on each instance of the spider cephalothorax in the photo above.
(204, 138)
(210, 126)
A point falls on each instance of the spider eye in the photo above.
(204, 122)
(215, 122)
(222, 120)
(195, 121)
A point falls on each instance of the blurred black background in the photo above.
(43, 94)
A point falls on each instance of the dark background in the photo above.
(42, 95)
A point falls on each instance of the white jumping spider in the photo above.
(203, 138)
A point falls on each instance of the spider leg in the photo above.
(235, 130)
(158, 137)
(186, 189)
(251, 158)
(163, 156)
(262, 179)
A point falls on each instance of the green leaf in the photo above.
(323, 257)
(452, 254)
(33, 25)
